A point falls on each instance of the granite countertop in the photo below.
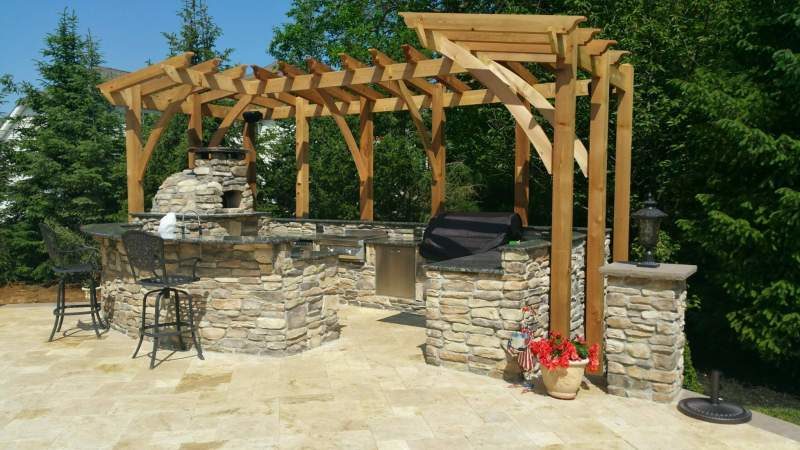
(487, 262)
(288, 219)
(389, 242)
(115, 230)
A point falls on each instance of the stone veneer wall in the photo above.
(251, 298)
(357, 285)
(470, 316)
(644, 337)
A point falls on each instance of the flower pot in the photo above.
(564, 382)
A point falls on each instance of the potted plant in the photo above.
(563, 361)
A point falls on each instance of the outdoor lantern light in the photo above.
(649, 219)
(252, 116)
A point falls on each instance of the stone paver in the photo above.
(370, 389)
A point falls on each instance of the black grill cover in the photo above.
(453, 235)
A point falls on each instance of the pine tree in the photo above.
(68, 161)
(198, 34)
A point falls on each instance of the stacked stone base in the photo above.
(471, 316)
(249, 299)
(644, 332)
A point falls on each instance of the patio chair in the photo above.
(71, 261)
(146, 257)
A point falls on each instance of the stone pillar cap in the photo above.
(662, 272)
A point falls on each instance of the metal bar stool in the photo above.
(146, 256)
(68, 261)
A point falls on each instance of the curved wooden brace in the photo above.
(499, 87)
(158, 129)
(233, 113)
(538, 101)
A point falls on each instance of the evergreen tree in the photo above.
(6, 259)
(198, 34)
(744, 177)
(68, 163)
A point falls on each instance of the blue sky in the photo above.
(130, 31)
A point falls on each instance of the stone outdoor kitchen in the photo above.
(273, 286)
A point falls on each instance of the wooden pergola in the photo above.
(484, 50)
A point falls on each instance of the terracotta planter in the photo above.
(564, 382)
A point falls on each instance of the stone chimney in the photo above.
(216, 185)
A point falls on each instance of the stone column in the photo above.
(644, 337)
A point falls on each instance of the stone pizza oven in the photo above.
(217, 184)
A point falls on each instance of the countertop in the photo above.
(115, 231)
(487, 262)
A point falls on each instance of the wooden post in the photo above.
(563, 172)
(438, 170)
(595, 243)
(133, 148)
(249, 144)
(194, 132)
(522, 167)
(301, 156)
(622, 169)
(366, 137)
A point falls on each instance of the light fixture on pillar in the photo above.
(252, 116)
(649, 220)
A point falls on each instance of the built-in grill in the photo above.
(453, 235)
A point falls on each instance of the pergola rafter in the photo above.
(487, 49)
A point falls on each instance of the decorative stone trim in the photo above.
(644, 337)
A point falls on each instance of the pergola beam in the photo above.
(596, 217)
(545, 108)
(387, 64)
(413, 56)
(319, 67)
(233, 114)
(622, 168)
(301, 135)
(264, 74)
(562, 204)
(497, 85)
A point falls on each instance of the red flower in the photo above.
(555, 351)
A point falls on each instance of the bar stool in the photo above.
(67, 261)
(146, 256)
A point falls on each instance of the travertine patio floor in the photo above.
(371, 389)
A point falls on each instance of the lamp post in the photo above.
(649, 220)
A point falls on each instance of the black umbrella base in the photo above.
(719, 412)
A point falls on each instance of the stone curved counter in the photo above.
(254, 294)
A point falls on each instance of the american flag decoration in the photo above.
(525, 359)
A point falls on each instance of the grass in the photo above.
(773, 403)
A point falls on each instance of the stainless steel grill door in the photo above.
(395, 271)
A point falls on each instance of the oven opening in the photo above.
(231, 199)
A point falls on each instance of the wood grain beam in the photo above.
(352, 146)
(414, 56)
(367, 92)
(596, 219)
(133, 147)
(301, 131)
(499, 87)
(233, 114)
(366, 141)
(383, 61)
(541, 104)
(158, 130)
(438, 166)
(622, 168)
(563, 170)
